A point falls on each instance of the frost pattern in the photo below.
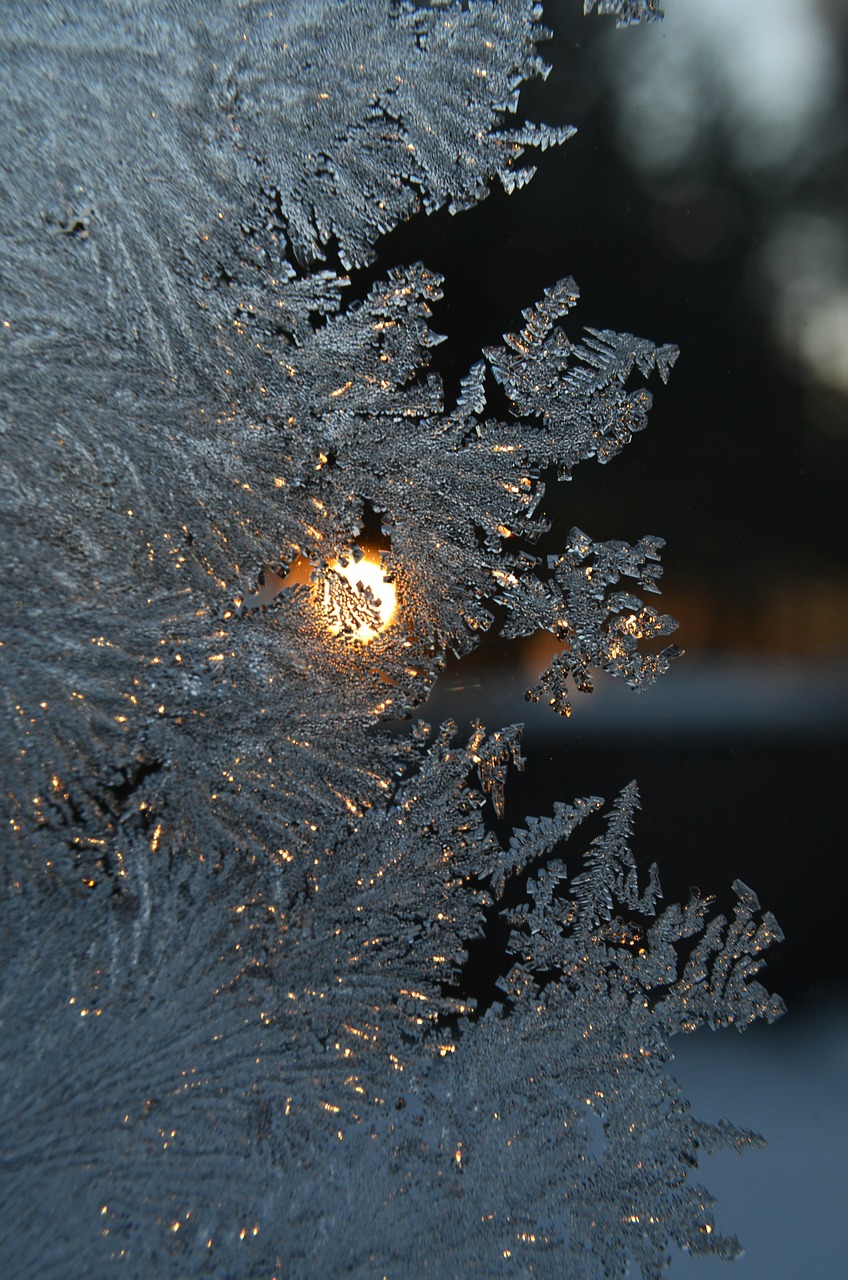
(284, 1050)
(237, 911)
(626, 12)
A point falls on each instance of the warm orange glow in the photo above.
(367, 574)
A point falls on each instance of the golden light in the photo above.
(365, 606)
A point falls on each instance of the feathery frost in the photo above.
(237, 910)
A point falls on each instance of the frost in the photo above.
(603, 631)
(626, 11)
(243, 529)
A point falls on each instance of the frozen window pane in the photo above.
(237, 910)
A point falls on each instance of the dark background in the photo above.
(735, 248)
(703, 201)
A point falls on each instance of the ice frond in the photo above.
(626, 12)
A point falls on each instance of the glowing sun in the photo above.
(360, 615)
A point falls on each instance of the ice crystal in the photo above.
(237, 909)
(626, 11)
